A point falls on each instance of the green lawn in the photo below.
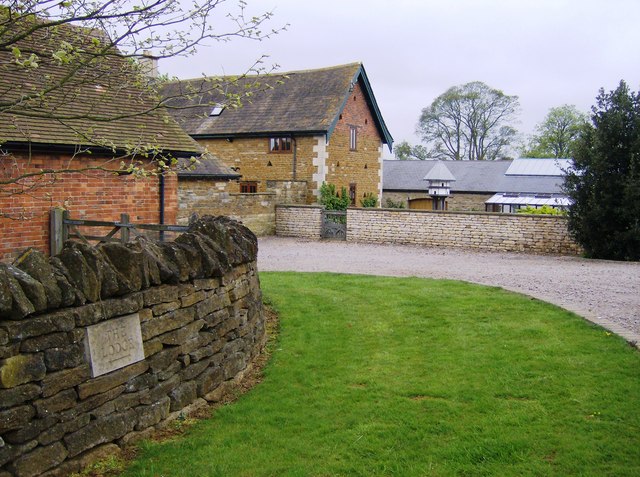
(414, 377)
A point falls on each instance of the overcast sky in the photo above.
(546, 52)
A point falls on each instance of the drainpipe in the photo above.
(295, 156)
(161, 193)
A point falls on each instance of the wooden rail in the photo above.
(63, 227)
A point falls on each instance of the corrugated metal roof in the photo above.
(538, 167)
(555, 201)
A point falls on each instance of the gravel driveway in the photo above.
(605, 292)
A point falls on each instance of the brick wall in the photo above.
(364, 165)
(255, 211)
(299, 221)
(95, 195)
(472, 231)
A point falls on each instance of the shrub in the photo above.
(544, 210)
(331, 200)
(392, 204)
(369, 200)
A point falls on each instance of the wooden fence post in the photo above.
(56, 230)
(124, 231)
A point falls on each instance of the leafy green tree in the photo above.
(604, 183)
(557, 133)
(406, 152)
(469, 122)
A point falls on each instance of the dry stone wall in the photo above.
(472, 230)
(299, 221)
(195, 304)
(469, 230)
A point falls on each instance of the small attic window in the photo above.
(217, 110)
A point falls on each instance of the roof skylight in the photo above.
(217, 110)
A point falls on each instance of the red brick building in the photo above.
(315, 126)
(63, 148)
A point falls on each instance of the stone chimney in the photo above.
(149, 64)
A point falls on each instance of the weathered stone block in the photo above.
(15, 417)
(209, 380)
(65, 379)
(13, 301)
(144, 381)
(9, 452)
(161, 294)
(18, 395)
(181, 335)
(21, 369)
(162, 308)
(194, 369)
(170, 371)
(62, 320)
(152, 347)
(31, 430)
(152, 414)
(40, 343)
(58, 431)
(52, 406)
(161, 390)
(67, 357)
(111, 380)
(100, 431)
(39, 460)
(163, 359)
(183, 395)
(171, 321)
(233, 365)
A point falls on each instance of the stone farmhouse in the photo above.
(293, 132)
(87, 126)
(490, 186)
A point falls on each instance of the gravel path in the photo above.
(605, 292)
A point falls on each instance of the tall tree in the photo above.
(469, 122)
(406, 152)
(604, 183)
(556, 134)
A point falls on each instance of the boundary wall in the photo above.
(538, 234)
(197, 308)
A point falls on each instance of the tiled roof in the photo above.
(295, 102)
(101, 105)
(471, 176)
(208, 166)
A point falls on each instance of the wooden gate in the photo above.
(334, 224)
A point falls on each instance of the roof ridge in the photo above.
(262, 75)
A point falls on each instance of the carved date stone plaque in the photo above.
(114, 344)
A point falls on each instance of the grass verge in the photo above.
(414, 377)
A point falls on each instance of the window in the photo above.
(352, 193)
(353, 138)
(248, 187)
(217, 110)
(280, 144)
